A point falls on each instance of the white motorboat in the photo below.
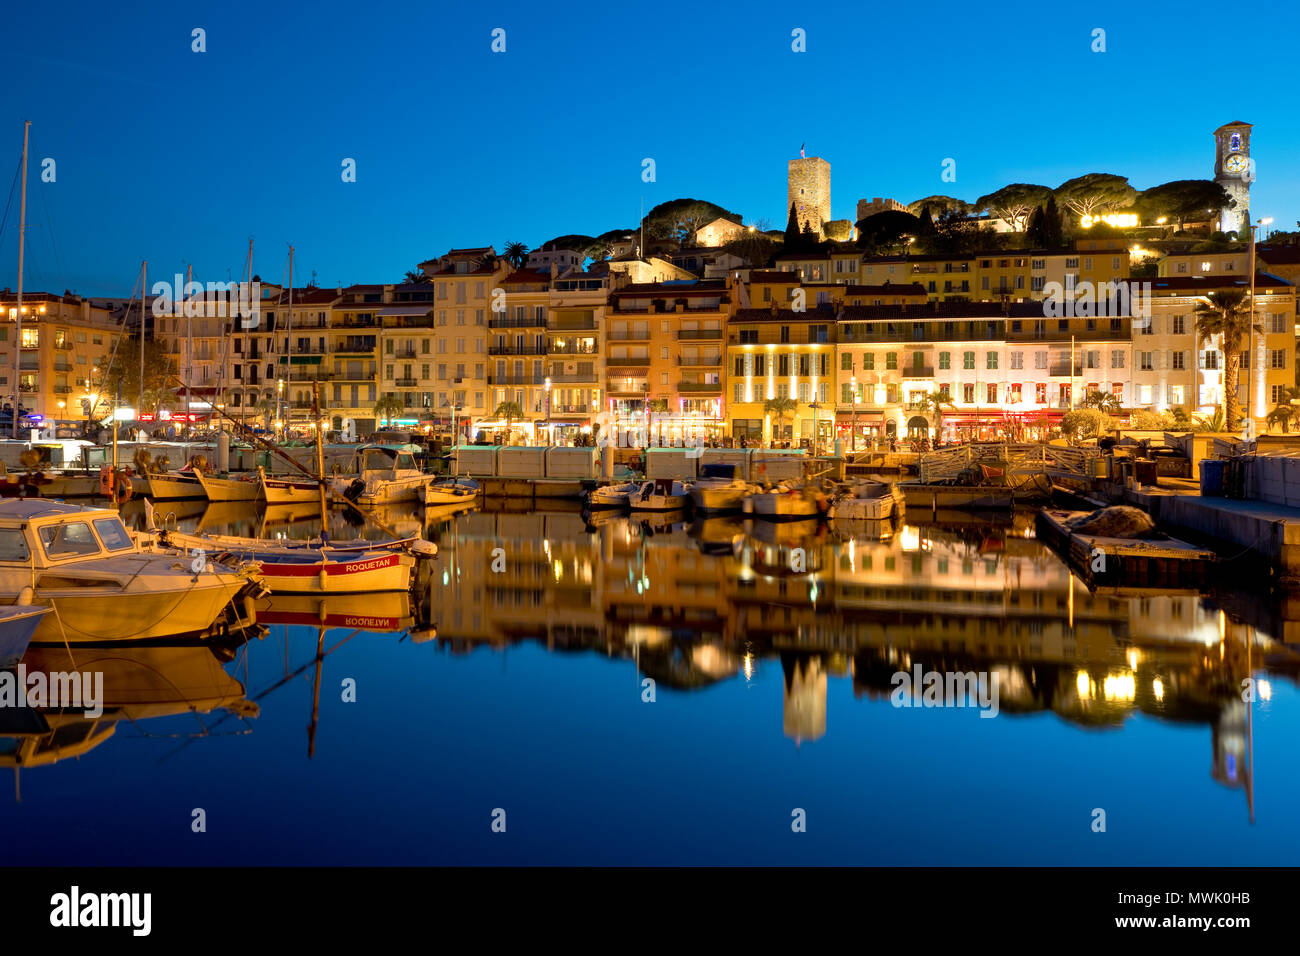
(662, 494)
(719, 489)
(382, 475)
(867, 500)
(451, 491)
(612, 496)
(247, 488)
(102, 582)
(788, 501)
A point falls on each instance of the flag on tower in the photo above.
(801, 146)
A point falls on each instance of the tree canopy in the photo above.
(1014, 204)
(886, 228)
(1095, 194)
(938, 205)
(1183, 200)
(122, 377)
(681, 219)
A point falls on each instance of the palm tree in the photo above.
(934, 405)
(416, 277)
(782, 408)
(517, 253)
(388, 407)
(1285, 411)
(1104, 401)
(510, 411)
(1225, 314)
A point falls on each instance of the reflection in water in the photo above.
(692, 605)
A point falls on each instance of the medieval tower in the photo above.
(1234, 171)
(809, 191)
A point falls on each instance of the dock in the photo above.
(533, 489)
(1126, 563)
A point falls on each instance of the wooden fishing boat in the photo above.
(788, 501)
(866, 500)
(719, 488)
(1153, 560)
(451, 491)
(164, 486)
(246, 488)
(288, 491)
(662, 494)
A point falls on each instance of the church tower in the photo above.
(1234, 171)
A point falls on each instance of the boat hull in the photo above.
(285, 491)
(390, 571)
(718, 499)
(168, 487)
(229, 489)
(17, 626)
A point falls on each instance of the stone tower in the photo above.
(1234, 171)
(809, 189)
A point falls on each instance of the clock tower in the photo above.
(1234, 171)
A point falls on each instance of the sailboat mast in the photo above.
(144, 288)
(248, 365)
(288, 360)
(189, 343)
(18, 327)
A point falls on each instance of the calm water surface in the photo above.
(516, 679)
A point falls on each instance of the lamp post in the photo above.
(1250, 332)
(550, 435)
(814, 406)
(853, 438)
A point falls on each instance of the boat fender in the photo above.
(25, 596)
(424, 549)
(106, 480)
(324, 576)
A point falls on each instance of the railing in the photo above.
(28, 388)
(637, 387)
(405, 382)
(403, 353)
(526, 379)
(517, 349)
(309, 375)
(575, 378)
(918, 371)
(620, 335)
(557, 409)
(354, 347)
(63, 346)
(573, 325)
(552, 349)
(692, 334)
(506, 322)
(699, 386)
(62, 389)
(699, 360)
(62, 367)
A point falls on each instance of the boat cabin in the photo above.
(39, 533)
(388, 461)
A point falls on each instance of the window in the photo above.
(1144, 394)
(13, 545)
(846, 362)
(945, 360)
(1279, 321)
(968, 360)
(739, 395)
(992, 394)
(868, 362)
(113, 534)
(846, 394)
(1040, 393)
(1278, 358)
(891, 360)
(991, 360)
(1179, 325)
(1210, 360)
(1117, 358)
(968, 394)
(1144, 361)
(1013, 393)
(1017, 360)
(1276, 392)
(1177, 360)
(66, 540)
(1040, 359)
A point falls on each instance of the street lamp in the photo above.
(550, 435)
(853, 438)
(1254, 359)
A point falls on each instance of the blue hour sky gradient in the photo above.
(179, 157)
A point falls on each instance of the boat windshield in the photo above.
(13, 545)
(113, 534)
(73, 538)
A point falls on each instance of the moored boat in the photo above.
(288, 491)
(662, 494)
(164, 486)
(246, 488)
(451, 491)
(102, 583)
(719, 488)
(788, 501)
(866, 500)
(612, 496)
(17, 625)
(382, 475)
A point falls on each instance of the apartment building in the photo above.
(575, 350)
(663, 361)
(66, 344)
(406, 352)
(776, 353)
(517, 348)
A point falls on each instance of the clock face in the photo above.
(1235, 163)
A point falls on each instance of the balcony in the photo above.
(573, 324)
(639, 364)
(62, 389)
(62, 367)
(690, 335)
(406, 382)
(625, 386)
(622, 335)
(533, 349)
(553, 349)
(28, 387)
(918, 371)
(404, 354)
(1063, 368)
(30, 364)
(525, 379)
(354, 348)
(506, 322)
(699, 361)
(576, 378)
(310, 374)
(699, 387)
(557, 409)
(64, 346)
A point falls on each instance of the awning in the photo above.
(862, 417)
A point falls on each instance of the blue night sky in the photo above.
(177, 157)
